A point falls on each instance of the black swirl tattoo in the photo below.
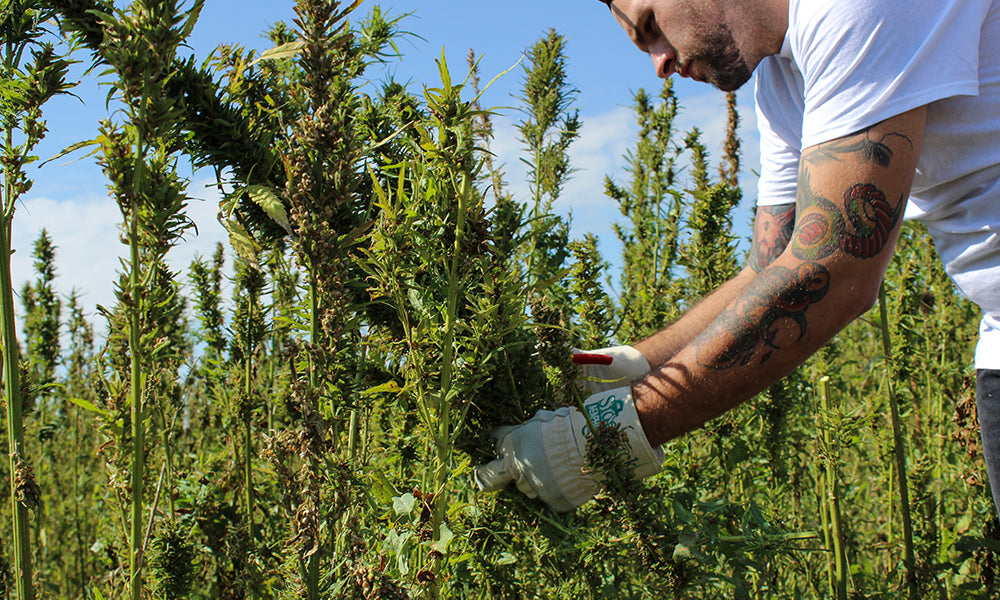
(749, 331)
(861, 145)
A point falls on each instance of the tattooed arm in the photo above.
(791, 299)
(771, 232)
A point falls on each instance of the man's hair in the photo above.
(608, 2)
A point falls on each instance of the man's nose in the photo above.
(663, 60)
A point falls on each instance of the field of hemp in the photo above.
(312, 434)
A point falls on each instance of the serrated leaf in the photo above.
(270, 202)
(90, 407)
(241, 241)
(289, 50)
(96, 143)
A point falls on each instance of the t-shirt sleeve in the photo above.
(779, 123)
(863, 61)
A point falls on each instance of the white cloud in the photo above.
(85, 231)
(600, 151)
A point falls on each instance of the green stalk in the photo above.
(833, 498)
(12, 384)
(12, 387)
(444, 437)
(138, 434)
(824, 513)
(135, 354)
(80, 560)
(312, 564)
(354, 426)
(247, 440)
(892, 505)
(897, 437)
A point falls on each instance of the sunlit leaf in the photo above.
(284, 51)
(405, 504)
(268, 200)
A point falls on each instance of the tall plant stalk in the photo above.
(150, 197)
(136, 397)
(12, 387)
(29, 81)
(831, 508)
(136, 352)
(909, 559)
(444, 439)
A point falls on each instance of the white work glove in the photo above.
(609, 368)
(545, 455)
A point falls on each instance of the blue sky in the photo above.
(69, 197)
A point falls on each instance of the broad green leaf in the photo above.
(390, 387)
(381, 486)
(405, 504)
(268, 199)
(289, 50)
(90, 406)
(395, 544)
(445, 537)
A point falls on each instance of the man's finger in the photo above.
(492, 476)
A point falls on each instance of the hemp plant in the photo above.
(31, 73)
(323, 205)
(550, 127)
(139, 158)
(433, 262)
(709, 254)
(42, 308)
(653, 207)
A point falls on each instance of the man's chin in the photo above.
(730, 82)
(729, 86)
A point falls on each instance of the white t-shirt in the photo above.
(850, 64)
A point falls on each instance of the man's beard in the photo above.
(725, 66)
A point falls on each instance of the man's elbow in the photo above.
(861, 299)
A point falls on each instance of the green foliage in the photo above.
(594, 308)
(653, 206)
(549, 129)
(27, 81)
(171, 562)
(42, 309)
(313, 434)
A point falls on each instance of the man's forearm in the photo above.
(850, 200)
(774, 323)
(663, 346)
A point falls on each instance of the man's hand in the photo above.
(545, 454)
(610, 368)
